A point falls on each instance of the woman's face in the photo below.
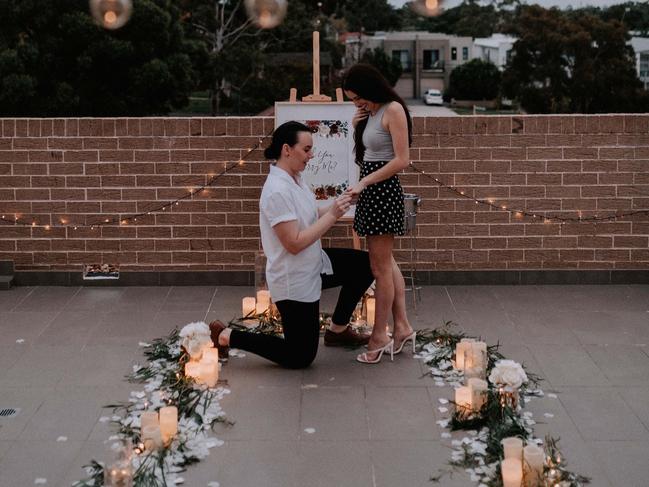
(360, 102)
(301, 153)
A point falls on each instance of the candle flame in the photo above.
(110, 17)
(432, 4)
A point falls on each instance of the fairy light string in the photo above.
(16, 220)
(541, 216)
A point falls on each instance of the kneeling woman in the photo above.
(297, 267)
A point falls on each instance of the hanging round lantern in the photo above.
(111, 14)
(266, 13)
(427, 8)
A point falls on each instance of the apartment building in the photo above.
(495, 49)
(641, 49)
(427, 58)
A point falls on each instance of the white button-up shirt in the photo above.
(295, 277)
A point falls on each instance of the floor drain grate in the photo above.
(8, 412)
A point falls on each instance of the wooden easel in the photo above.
(316, 97)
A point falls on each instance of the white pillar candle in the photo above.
(512, 472)
(148, 418)
(210, 373)
(479, 350)
(463, 399)
(263, 301)
(248, 306)
(118, 475)
(152, 437)
(512, 447)
(479, 389)
(193, 370)
(371, 310)
(460, 349)
(211, 355)
(168, 423)
(533, 460)
(473, 373)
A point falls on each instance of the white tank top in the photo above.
(377, 140)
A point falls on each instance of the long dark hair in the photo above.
(287, 133)
(368, 83)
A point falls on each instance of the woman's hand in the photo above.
(340, 205)
(361, 114)
(355, 191)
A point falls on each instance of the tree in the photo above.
(565, 64)
(54, 61)
(368, 15)
(475, 80)
(390, 68)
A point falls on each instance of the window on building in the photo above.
(453, 53)
(432, 59)
(644, 66)
(508, 56)
(403, 56)
(465, 53)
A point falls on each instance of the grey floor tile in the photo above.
(142, 298)
(273, 414)
(25, 398)
(608, 327)
(47, 298)
(252, 371)
(625, 462)
(339, 463)
(624, 365)
(28, 460)
(9, 355)
(5, 445)
(637, 398)
(335, 413)
(405, 370)
(189, 298)
(600, 414)
(40, 366)
(95, 299)
(24, 325)
(581, 458)
(412, 463)
(568, 365)
(101, 366)
(272, 463)
(13, 297)
(71, 412)
(69, 328)
(471, 297)
(536, 327)
(400, 413)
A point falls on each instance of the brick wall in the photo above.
(82, 171)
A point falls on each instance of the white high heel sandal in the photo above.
(364, 357)
(410, 338)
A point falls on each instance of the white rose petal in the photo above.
(61, 439)
(551, 395)
(443, 401)
(548, 415)
(20, 340)
(40, 481)
(213, 484)
(442, 409)
(104, 419)
(446, 434)
(309, 430)
(309, 386)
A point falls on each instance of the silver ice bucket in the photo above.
(411, 205)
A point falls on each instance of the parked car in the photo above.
(433, 97)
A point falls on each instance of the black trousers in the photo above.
(301, 321)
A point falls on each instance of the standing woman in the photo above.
(297, 267)
(383, 133)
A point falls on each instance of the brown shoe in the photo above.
(347, 338)
(216, 327)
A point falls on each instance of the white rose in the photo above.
(508, 373)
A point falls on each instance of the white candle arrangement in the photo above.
(263, 301)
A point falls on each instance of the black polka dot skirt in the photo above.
(379, 210)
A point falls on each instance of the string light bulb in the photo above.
(427, 8)
(111, 14)
(266, 14)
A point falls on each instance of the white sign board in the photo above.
(332, 169)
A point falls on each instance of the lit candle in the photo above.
(148, 418)
(371, 310)
(512, 472)
(263, 301)
(460, 350)
(479, 350)
(118, 475)
(152, 437)
(474, 372)
(211, 355)
(513, 448)
(533, 460)
(479, 389)
(248, 306)
(210, 373)
(168, 423)
(463, 398)
(193, 370)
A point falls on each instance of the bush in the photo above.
(475, 80)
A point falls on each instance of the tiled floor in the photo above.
(374, 425)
